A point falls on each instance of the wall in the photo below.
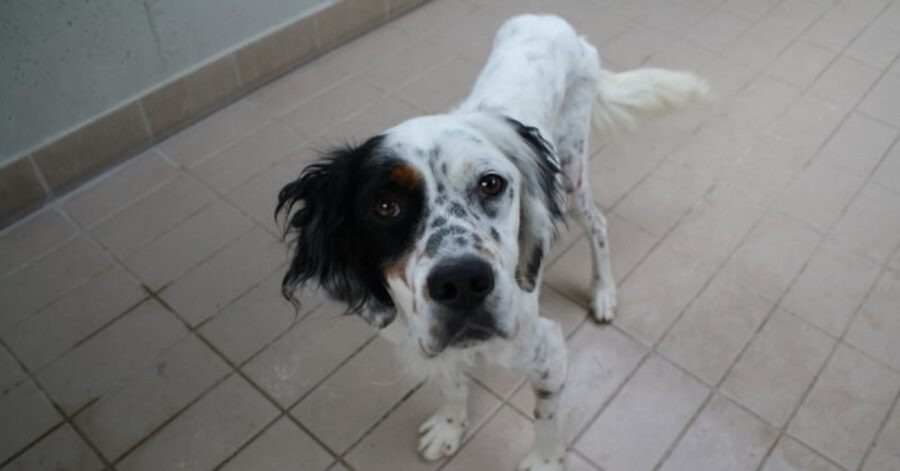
(62, 63)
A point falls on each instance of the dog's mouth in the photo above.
(470, 334)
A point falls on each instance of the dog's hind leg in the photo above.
(603, 291)
(572, 137)
(441, 434)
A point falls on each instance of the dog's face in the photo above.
(444, 219)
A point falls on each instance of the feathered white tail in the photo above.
(625, 98)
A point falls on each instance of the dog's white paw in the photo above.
(603, 306)
(537, 462)
(439, 436)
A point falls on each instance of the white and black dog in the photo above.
(435, 230)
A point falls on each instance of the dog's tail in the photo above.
(626, 98)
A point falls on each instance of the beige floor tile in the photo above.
(773, 255)
(785, 356)
(47, 279)
(425, 19)
(791, 455)
(888, 172)
(871, 225)
(710, 152)
(197, 142)
(571, 273)
(844, 409)
(350, 402)
(321, 113)
(190, 243)
(767, 168)
(677, 17)
(659, 201)
(225, 276)
(876, 328)
(456, 78)
(749, 10)
(111, 356)
(715, 226)
(757, 47)
(805, 200)
(233, 165)
(62, 449)
(644, 418)
(681, 55)
(27, 241)
(256, 318)
(392, 445)
(11, 372)
(726, 77)
(724, 436)
(806, 124)
(385, 113)
(635, 46)
(756, 106)
(710, 335)
(831, 288)
(365, 51)
(504, 382)
(555, 306)
(600, 360)
(717, 30)
(258, 196)
(123, 416)
(152, 215)
(25, 414)
(859, 144)
(282, 446)
(500, 444)
(801, 63)
(658, 290)
(886, 455)
(112, 192)
(292, 365)
(845, 81)
(877, 46)
(53, 330)
(207, 432)
(843, 22)
(299, 86)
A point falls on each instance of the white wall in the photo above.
(64, 62)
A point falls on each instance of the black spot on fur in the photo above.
(437, 238)
(461, 241)
(444, 169)
(438, 221)
(434, 153)
(457, 210)
(543, 393)
(495, 234)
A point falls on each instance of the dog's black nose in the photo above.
(461, 284)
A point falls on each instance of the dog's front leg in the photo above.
(440, 435)
(547, 376)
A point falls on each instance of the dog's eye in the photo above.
(491, 184)
(386, 207)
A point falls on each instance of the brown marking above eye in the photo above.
(406, 176)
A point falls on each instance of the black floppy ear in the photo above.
(327, 250)
(540, 205)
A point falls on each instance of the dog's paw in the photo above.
(439, 436)
(537, 462)
(603, 306)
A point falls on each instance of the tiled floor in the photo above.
(755, 243)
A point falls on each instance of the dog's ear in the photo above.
(540, 205)
(318, 208)
(541, 198)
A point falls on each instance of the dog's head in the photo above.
(444, 219)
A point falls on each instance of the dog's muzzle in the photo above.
(460, 287)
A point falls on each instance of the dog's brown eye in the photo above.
(491, 184)
(386, 207)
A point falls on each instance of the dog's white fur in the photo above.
(542, 74)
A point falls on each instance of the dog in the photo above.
(436, 230)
